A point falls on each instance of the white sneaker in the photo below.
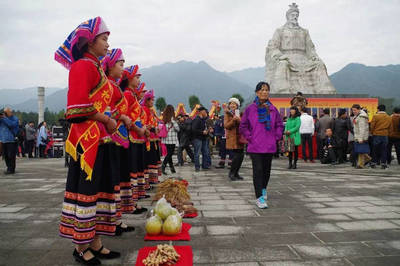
(260, 202)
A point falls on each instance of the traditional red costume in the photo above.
(89, 207)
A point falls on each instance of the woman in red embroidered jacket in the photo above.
(152, 150)
(89, 207)
(113, 65)
(132, 88)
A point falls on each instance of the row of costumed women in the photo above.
(112, 140)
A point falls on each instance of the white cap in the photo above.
(235, 100)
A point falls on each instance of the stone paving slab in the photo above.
(318, 215)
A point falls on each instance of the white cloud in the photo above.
(228, 34)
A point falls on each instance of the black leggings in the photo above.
(237, 160)
(168, 157)
(296, 154)
(261, 171)
(42, 149)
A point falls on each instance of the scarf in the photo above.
(264, 115)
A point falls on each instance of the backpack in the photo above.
(163, 131)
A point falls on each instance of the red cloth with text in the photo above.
(185, 252)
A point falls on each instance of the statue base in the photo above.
(318, 102)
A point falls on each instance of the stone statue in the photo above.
(292, 63)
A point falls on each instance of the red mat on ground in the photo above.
(191, 215)
(182, 236)
(185, 252)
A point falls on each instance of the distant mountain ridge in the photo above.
(17, 96)
(177, 81)
(382, 81)
(354, 78)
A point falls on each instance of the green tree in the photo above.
(193, 101)
(160, 104)
(239, 97)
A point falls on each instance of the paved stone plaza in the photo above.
(319, 215)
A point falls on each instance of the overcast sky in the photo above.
(227, 34)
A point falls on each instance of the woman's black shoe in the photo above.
(239, 177)
(111, 255)
(119, 229)
(79, 258)
(140, 211)
(232, 177)
(172, 169)
(163, 170)
(147, 196)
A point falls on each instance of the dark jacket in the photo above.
(340, 129)
(198, 126)
(185, 129)
(330, 141)
(219, 129)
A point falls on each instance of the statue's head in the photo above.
(292, 15)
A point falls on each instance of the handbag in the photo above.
(289, 144)
(242, 139)
(163, 131)
(361, 148)
(281, 146)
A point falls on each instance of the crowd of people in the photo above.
(347, 138)
(116, 140)
(18, 140)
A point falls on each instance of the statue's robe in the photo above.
(303, 70)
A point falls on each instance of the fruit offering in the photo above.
(163, 255)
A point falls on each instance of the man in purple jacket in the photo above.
(262, 126)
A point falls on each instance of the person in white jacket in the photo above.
(306, 133)
(361, 132)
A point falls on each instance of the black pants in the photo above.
(223, 152)
(341, 150)
(168, 157)
(29, 145)
(396, 143)
(9, 154)
(307, 139)
(320, 146)
(188, 151)
(237, 160)
(353, 156)
(296, 154)
(331, 156)
(42, 148)
(261, 171)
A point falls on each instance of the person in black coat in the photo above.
(329, 148)
(185, 128)
(199, 136)
(341, 128)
